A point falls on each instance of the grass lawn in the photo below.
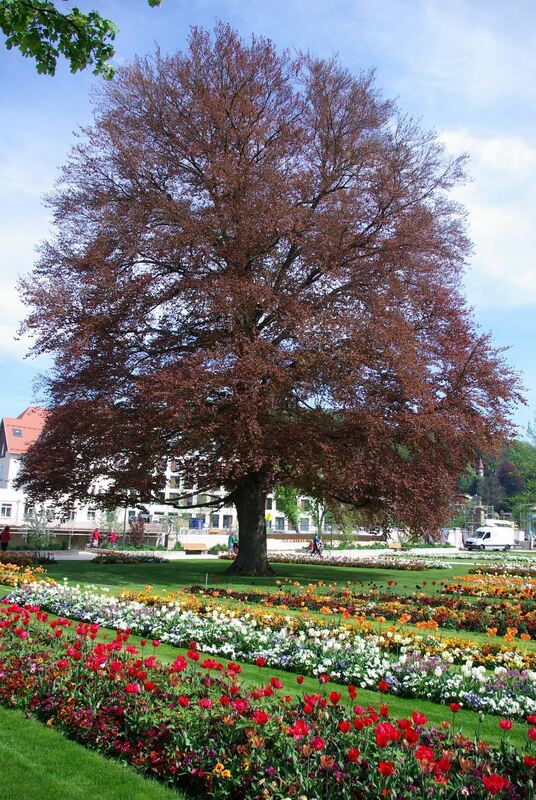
(39, 763)
(177, 574)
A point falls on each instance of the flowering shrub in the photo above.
(370, 562)
(302, 645)
(193, 725)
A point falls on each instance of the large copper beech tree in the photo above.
(257, 273)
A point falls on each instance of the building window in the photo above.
(305, 504)
(5, 510)
(91, 515)
(16, 432)
(304, 524)
(280, 523)
(71, 515)
(215, 521)
(227, 521)
(269, 503)
(190, 500)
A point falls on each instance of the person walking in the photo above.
(112, 538)
(232, 543)
(5, 536)
(317, 544)
(95, 538)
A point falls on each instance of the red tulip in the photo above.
(418, 718)
(334, 698)
(424, 753)
(260, 661)
(495, 783)
(505, 724)
(386, 768)
(344, 726)
(383, 686)
(353, 754)
(318, 743)
(455, 707)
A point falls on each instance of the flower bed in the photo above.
(18, 575)
(194, 726)
(23, 558)
(427, 611)
(125, 557)
(505, 569)
(371, 562)
(508, 587)
(490, 654)
(301, 646)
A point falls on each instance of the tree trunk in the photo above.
(250, 501)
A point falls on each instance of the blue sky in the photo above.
(464, 67)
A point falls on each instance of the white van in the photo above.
(495, 534)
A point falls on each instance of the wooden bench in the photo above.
(194, 547)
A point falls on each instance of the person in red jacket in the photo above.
(5, 536)
(95, 538)
(112, 538)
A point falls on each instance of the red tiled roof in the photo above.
(22, 431)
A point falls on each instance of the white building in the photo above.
(18, 433)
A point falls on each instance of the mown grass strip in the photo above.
(39, 763)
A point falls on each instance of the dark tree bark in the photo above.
(250, 502)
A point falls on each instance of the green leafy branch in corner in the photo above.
(42, 32)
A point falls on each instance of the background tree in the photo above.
(41, 31)
(287, 502)
(257, 272)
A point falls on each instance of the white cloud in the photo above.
(501, 200)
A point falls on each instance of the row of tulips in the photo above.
(193, 725)
(300, 645)
(510, 587)
(523, 569)
(436, 610)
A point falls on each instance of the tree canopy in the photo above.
(40, 30)
(256, 272)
